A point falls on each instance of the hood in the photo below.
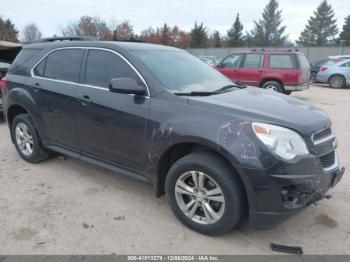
(256, 104)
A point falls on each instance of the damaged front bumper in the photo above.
(284, 190)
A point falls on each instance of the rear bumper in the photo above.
(300, 87)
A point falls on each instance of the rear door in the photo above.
(229, 66)
(345, 70)
(111, 126)
(55, 81)
(251, 69)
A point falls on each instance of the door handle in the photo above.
(85, 99)
(36, 87)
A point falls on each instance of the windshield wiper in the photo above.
(195, 93)
(209, 93)
(226, 88)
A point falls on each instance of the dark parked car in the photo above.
(3, 69)
(315, 66)
(219, 152)
(280, 71)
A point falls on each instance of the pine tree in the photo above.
(234, 35)
(345, 34)
(321, 28)
(268, 31)
(8, 31)
(217, 39)
(199, 36)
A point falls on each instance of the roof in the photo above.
(6, 45)
(130, 46)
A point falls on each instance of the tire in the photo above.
(286, 92)
(337, 81)
(27, 140)
(214, 168)
(273, 85)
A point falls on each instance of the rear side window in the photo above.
(253, 61)
(102, 66)
(281, 62)
(346, 65)
(61, 65)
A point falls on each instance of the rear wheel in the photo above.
(27, 140)
(205, 194)
(273, 86)
(337, 81)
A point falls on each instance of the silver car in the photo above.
(336, 74)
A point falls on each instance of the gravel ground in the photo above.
(65, 206)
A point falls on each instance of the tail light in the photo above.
(323, 68)
(3, 84)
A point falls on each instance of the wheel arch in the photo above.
(177, 151)
(267, 79)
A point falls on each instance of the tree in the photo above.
(234, 35)
(268, 31)
(216, 38)
(167, 36)
(345, 34)
(124, 32)
(321, 28)
(199, 36)
(8, 32)
(31, 33)
(90, 26)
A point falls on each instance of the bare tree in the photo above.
(90, 26)
(123, 31)
(31, 33)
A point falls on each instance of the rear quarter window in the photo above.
(22, 58)
(281, 61)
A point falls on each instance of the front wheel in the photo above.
(205, 193)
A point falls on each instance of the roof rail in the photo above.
(66, 38)
(275, 50)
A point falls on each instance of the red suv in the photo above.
(283, 72)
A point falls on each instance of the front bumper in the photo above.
(300, 87)
(287, 187)
(307, 190)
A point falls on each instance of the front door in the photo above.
(111, 126)
(229, 66)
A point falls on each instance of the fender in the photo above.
(20, 96)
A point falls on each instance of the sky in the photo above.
(52, 15)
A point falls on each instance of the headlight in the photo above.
(282, 141)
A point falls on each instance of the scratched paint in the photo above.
(232, 135)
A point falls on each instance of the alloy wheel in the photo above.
(336, 81)
(24, 139)
(199, 197)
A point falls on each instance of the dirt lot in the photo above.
(64, 206)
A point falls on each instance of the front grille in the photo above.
(328, 160)
(321, 135)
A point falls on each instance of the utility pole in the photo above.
(342, 46)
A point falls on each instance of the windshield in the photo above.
(181, 72)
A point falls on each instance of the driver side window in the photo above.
(231, 61)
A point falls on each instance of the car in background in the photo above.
(280, 71)
(316, 65)
(3, 69)
(339, 57)
(210, 60)
(337, 75)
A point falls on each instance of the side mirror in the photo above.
(126, 85)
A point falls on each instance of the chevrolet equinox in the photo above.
(222, 153)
